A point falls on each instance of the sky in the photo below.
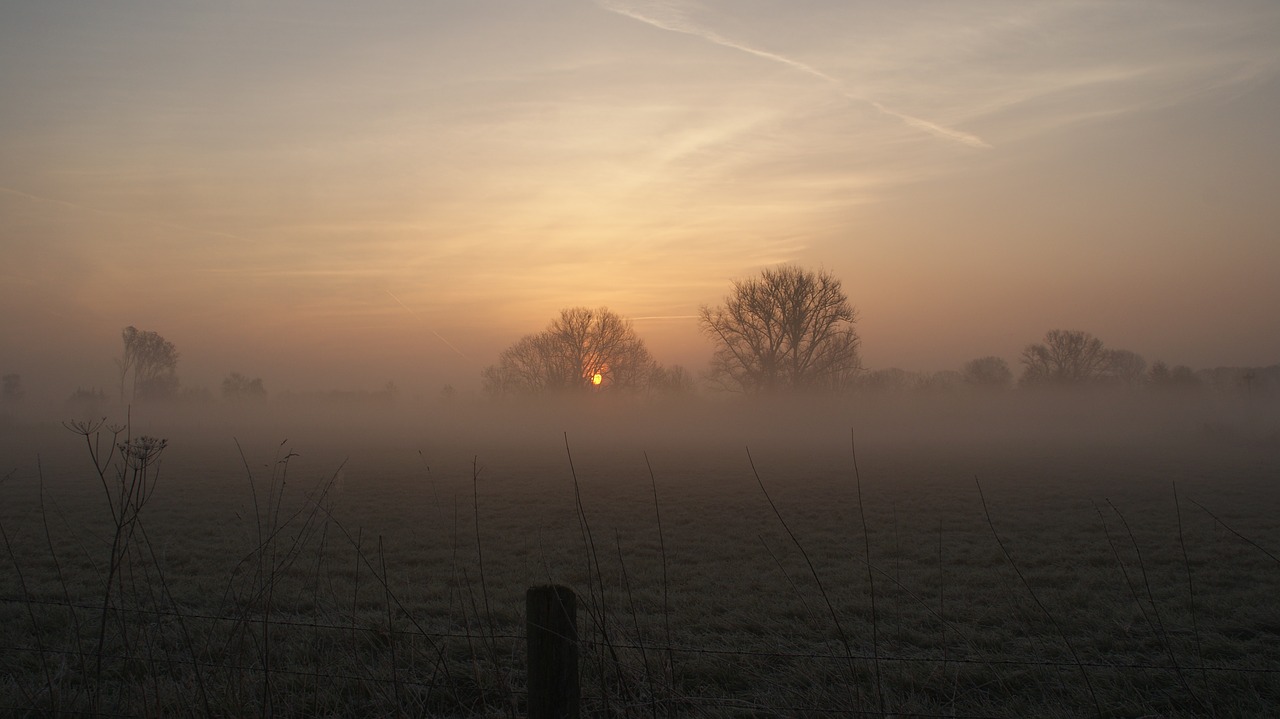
(337, 195)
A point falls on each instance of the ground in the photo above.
(940, 559)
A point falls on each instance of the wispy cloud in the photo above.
(669, 17)
(164, 224)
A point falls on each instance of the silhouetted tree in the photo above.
(239, 387)
(11, 388)
(581, 350)
(987, 373)
(1067, 357)
(153, 362)
(788, 329)
(1126, 367)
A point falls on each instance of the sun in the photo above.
(597, 378)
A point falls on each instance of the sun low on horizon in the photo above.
(325, 194)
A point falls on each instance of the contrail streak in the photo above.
(437, 334)
(680, 26)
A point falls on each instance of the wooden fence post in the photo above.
(552, 629)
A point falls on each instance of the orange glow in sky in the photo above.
(345, 195)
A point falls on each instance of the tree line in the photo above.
(793, 330)
(786, 330)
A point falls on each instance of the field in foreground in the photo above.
(741, 574)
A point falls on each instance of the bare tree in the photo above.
(581, 350)
(153, 362)
(530, 366)
(1126, 367)
(788, 329)
(1066, 357)
(987, 373)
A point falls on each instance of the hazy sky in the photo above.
(335, 194)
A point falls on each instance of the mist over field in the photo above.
(913, 359)
(899, 417)
(798, 556)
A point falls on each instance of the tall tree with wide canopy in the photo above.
(787, 329)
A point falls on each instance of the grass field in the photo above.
(1095, 558)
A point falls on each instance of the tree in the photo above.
(788, 329)
(581, 350)
(239, 387)
(1126, 367)
(152, 360)
(987, 373)
(1067, 357)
